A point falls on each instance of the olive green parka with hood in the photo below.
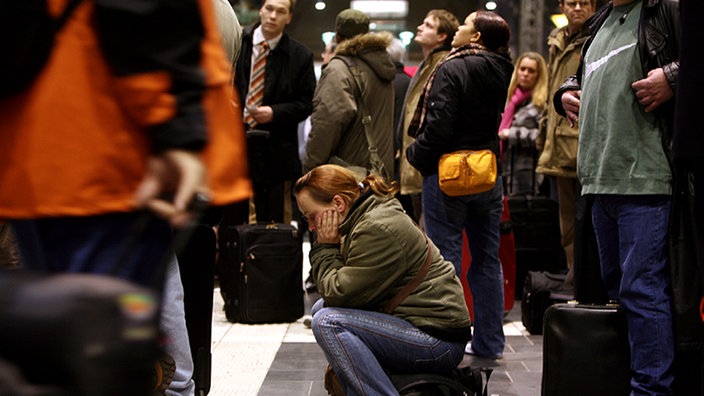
(380, 252)
(336, 122)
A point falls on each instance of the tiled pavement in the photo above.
(284, 360)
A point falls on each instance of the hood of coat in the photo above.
(364, 203)
(371, 48)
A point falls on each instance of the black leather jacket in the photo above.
(658, 41)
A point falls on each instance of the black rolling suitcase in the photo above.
(585, 351)
(585, 346)
(536, 230)
(535, 221)
(197, 267)
(261, 271)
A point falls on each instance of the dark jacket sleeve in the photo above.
(570, 84)
(439, 125)
(153, 48)
(667, 20)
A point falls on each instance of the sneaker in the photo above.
(469, 351)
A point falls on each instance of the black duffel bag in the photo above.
(540, 290)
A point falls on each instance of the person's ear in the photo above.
(441, 38)
(339, 203)
(476, 37)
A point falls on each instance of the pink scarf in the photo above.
(507, 117)
(517, 99)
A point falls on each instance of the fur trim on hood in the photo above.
(370, 48)
(364, 42)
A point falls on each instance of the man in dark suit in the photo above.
(288, 86)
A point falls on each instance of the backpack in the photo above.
(27, 32)
(463, 381)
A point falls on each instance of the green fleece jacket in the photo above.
(381, 251)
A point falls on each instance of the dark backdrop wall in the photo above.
(309, 24)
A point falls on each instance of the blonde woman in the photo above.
(527, 97)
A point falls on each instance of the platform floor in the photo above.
(284, 360)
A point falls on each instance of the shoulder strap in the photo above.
(410, 286)
(374, 159)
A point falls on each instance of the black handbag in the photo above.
(585, 351)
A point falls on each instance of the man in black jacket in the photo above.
(622, 96)
(289, 83)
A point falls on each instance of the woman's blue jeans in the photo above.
(632, 232)
(480, 216)
(362, 346)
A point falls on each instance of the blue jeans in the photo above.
(632, 232)
(173, 325)
(95, 244)
(362, 346)
(479, 215)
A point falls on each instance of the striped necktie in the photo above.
(256, 84)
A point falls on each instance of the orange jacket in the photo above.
(77, 141)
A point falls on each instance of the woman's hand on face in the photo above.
(327, 227)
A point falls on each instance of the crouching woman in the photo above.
(367, 250)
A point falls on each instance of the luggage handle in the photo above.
(534, 151)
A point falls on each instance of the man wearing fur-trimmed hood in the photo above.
(336, 122)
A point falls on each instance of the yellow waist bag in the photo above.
(466, 172)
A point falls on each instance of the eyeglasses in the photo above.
(581, 4)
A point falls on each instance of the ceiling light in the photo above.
(406, 37)
(560, 20)
(328, 36)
